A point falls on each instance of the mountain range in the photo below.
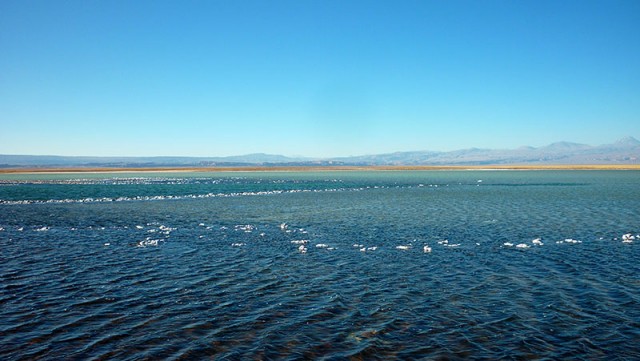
(623, 151)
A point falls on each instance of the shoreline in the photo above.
(54, 170)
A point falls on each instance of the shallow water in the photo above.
(320, 265)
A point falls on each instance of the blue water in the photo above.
(320, 265)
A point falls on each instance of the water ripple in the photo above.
(75, 285)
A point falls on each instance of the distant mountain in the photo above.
(623, 151)
(626, 142)
(260, 158)
(23, 161)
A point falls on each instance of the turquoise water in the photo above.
(320, 265)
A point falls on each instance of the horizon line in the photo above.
(191, 169)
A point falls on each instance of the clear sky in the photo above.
(314, 77)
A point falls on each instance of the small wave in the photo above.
(170, 197)
(150, 242)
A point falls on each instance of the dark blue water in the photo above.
(326, 265)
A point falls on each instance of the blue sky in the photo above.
(314, 78)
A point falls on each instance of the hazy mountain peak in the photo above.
(565, 146)
(525, 147)
(628, 141)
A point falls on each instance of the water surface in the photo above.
(320, 265)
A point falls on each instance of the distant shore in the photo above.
(319, 168)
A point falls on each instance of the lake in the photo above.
(328, 265)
